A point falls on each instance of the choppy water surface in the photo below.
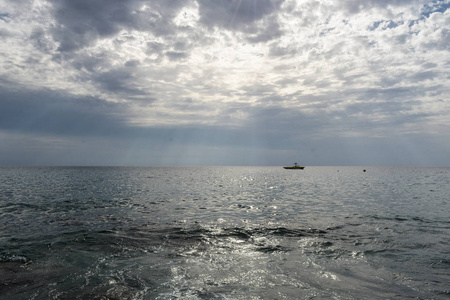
(224, 233)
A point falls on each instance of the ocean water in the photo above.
(224, 233)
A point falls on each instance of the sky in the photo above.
(224, 82)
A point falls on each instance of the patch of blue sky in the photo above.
(385, 24)
(435, 6)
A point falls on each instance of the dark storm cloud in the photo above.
(232, 13)
(242, 15)
(52, 112)
(41, 40)
(119, 81)
(101, 71)
(87, 61)
(82, 22)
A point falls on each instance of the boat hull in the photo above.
(294, 168)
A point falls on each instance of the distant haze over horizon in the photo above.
(363, 168)
(218, 83)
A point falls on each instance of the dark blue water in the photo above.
(225, 233)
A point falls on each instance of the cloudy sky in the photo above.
(225, 82)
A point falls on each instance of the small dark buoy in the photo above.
(364, 170)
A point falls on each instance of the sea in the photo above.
(224, 233)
